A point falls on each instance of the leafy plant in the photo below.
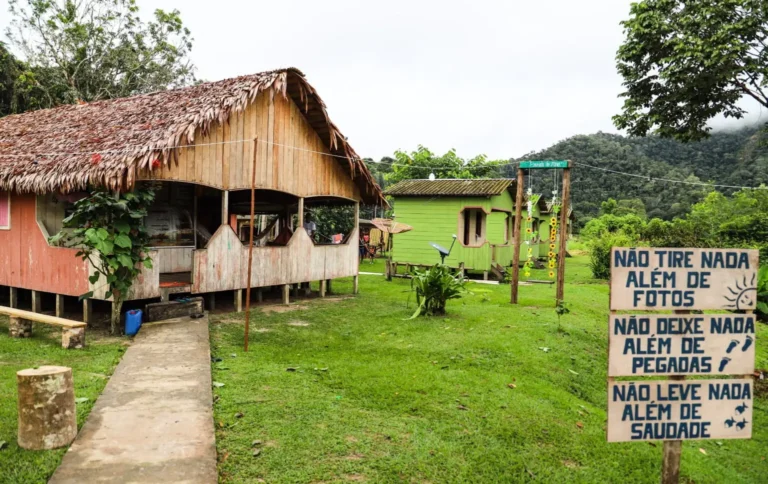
(762, 293)
(109, 233)
(434, 287)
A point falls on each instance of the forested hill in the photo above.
(729, 158)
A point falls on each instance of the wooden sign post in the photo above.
(565, 165)
(680, 344)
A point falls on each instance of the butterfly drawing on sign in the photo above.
(742, 294)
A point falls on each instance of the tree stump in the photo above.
(19, 328)
(73, 338)
(47, 417)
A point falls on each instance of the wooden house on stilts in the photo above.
(198, 144)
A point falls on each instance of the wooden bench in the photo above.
(72, 335)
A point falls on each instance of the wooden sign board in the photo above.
(683, 279)
(544, 164)
(681, 344)
(679, 410)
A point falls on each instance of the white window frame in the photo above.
(7, 227)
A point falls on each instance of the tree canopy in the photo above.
(685, 62)
(97, 49)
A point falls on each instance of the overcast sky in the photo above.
(498, 77)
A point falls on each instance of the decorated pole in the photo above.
(516, 253)
(563, 233)
(250, 243)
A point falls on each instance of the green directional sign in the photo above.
(544, 164)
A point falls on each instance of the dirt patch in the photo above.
(282, 308)
(355, 477)
(261, 330)
(230, 321)
(354, 456)
(571, 464)
(351, 439)
(298, 323)
(334, 299)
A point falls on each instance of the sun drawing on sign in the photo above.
(742, 296)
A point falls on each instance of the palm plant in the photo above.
(434, 287)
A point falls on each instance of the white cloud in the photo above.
(495, 77)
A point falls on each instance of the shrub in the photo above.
(600, 252)
(434, 287)
(762, 293)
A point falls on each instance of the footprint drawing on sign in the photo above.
(730, 422)
(734, 343)
(723, 363)
(742, 294)
(742, 424)
(742, 408)
(747, 343)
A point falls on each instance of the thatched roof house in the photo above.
(199, 144)
(110, 142)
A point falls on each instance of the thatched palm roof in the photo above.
(105, 143)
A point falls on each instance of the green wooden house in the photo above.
(480, 213)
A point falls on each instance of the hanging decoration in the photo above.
(529, 235)
(553, 233)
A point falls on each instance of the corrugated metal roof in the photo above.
(451, 187)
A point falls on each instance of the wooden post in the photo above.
(87, 311)
(250, 243)
(328, 287)
(224, 207)
(301, 213)
(37, 303)
(520, 182)
(295, 290)
(239, 300)
(322, 288)
(59, 306)
(286, 294)
(212, 301)
(670, 463)
(259, 295)
(14, 298)
(355, 284)
(485, 275)
(563, 233)
(307, 289)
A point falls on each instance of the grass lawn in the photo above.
(471, 397)
(91, 368)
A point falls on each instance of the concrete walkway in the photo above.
(154, 421)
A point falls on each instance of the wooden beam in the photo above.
(301, 213)
(563, 234)
(286, 294)
(355, 284)
(37, 303)
(224, 207)
(59, 306)
(322, 287)
(88, 311)
(239, 300)
(520, 182)
(14, 297)
(295, 290)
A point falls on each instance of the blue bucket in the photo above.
(133, 322)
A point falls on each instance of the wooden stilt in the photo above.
(259, 295)
(518, 221)
(485, 275)
(14, 298)
(322, 288)
(239, 300)
(88, 311)
(37, 304)
(59, 306)
(295, 290)
(286, 294)
(307, 289)
(328, 288)
(212, 301)
(355, 284)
